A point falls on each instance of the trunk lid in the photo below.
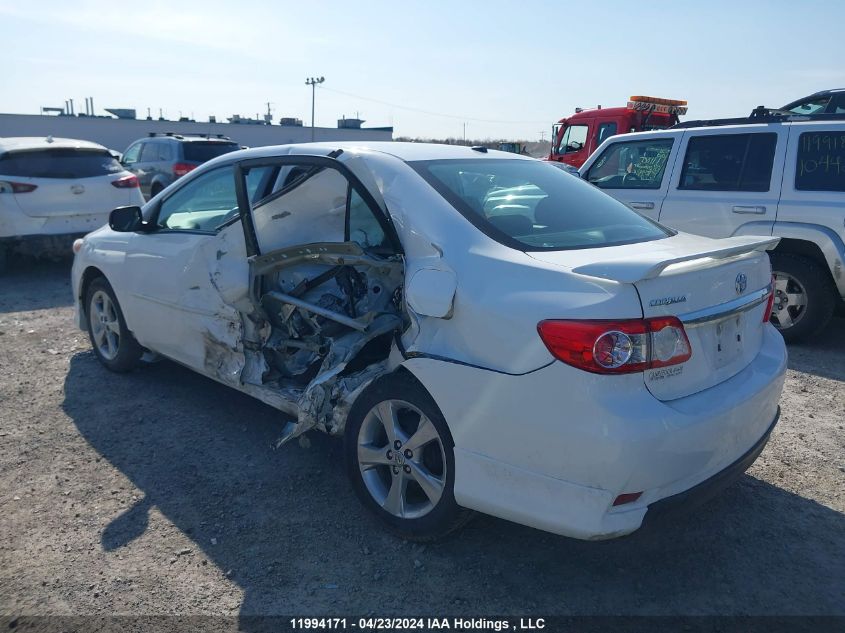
(68, 181)
(67, 198)
(717, 288)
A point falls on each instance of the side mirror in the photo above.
(126, 219)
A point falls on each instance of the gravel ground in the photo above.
(158, 492)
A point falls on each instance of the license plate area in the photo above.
(727, 342)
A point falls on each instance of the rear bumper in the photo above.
(552, 449)
(696, 496)
(54, 245)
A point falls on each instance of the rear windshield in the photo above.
(200, 151)
(531, 205)
(59, 163)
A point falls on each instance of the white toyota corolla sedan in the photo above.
(485, 331)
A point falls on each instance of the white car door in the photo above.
(727, 181)
(635, 169)
(186, 276)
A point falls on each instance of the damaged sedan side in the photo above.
(476, 348)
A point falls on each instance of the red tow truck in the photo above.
(574, 138)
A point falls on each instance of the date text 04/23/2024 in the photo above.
(417, 624)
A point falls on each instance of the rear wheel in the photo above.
(155, 190)
(400, 459)
(804, 298)
(112, 341)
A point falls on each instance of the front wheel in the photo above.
(400, 459)
(804, 298)
(112, 341)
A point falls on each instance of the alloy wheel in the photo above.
(790, 303)
(105, 325)
(401, 459)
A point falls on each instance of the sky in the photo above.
(495, 69)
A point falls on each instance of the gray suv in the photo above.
(161, 158)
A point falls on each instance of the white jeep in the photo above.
(766, 175)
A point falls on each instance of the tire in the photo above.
(111, 340)
(155, 190)
(5, 258)
(418, 515)
(796, 276)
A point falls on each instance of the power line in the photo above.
(429, 112)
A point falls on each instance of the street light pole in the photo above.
(311, 81)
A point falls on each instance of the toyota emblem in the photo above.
(741, 283)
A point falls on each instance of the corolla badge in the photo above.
(666, 301)
(741, 283)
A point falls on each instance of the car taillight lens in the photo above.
(7, 186)
(180, 169)
(617, 347)
(127, 182)
(770, 303)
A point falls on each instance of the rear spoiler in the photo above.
(648, 266)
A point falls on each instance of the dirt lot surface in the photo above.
(158, 492)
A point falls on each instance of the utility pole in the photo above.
(542, 135)
(465, 132)
(313, 82)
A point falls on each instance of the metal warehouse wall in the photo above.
(117, 134)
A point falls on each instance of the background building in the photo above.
(118, 133)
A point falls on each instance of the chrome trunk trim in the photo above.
(725, 311)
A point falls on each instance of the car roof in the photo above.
(407, 152)
(26, 143)
(186, 138)
(821, 93)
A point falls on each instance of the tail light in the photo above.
(127, 182)
(617, 347)
(7, 186)
(770, 304)
(180, 169)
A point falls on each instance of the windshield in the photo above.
(531, 205)
(201, 151)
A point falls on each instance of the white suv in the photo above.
(778, 176)
(53, 190)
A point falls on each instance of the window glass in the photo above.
(307, 206)
(606, 130)
(729, 162)
(59, 163)
(201, 151)
(811, 106)
(131, 154)
(631, 165)
(164, 151)
(149, 153)
(821, 161)
(364, 227)
(311, 204)
(203, 204)
(573, 140)
(531, 205)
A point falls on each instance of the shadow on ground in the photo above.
(823, 355)
(30, 284)
(288, 526)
